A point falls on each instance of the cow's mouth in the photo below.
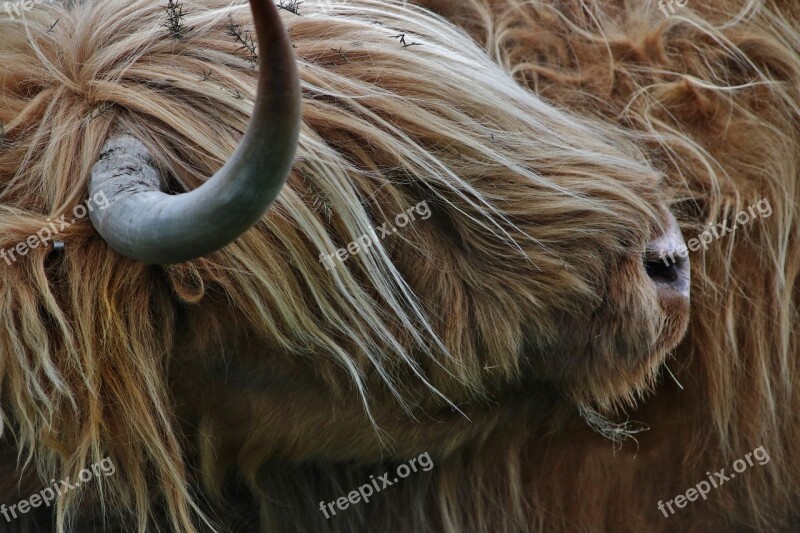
(609, 357)
(667, 267)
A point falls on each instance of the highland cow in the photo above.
(364, 265)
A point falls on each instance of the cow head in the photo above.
(537, 273)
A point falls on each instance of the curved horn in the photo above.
(145, 224)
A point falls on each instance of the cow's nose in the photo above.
(667, 261)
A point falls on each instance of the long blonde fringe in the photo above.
(88, 336)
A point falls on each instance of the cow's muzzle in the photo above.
(667, 262)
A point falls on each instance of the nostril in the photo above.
(660, 271)
(666, 267)
(666, 262)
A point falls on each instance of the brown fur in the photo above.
(474, 335)
(721, 150)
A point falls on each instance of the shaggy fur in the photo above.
(243, 388)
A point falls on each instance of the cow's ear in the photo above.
(187, 283)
